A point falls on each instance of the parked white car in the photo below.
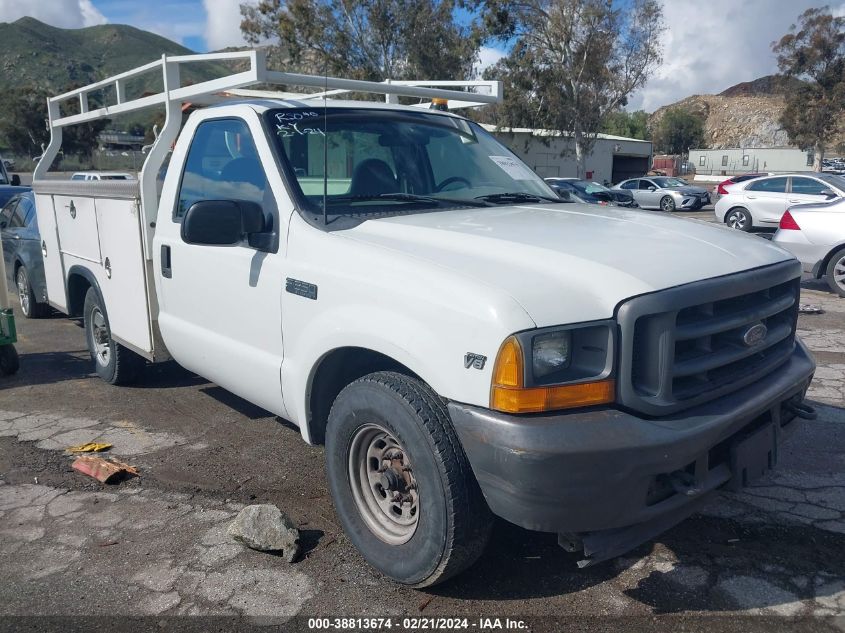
(760, 203)
(815, 234)
(400, 286)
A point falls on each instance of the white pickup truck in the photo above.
(401, 287)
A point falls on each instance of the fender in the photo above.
(89, 276)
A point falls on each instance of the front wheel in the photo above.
(401, 483)
(739, 219)
(667, 204)
(114, 363)
(835, 273)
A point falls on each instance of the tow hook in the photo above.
(802, 410)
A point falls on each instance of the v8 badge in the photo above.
(474, 360)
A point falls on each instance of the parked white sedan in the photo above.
(760, 203)
(815, 234)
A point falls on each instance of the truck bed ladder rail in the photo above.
(174, 95)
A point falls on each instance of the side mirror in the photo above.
(221, 222)
(16, 180)
(830, 194)
(3, 224)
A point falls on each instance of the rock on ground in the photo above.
(266, 528)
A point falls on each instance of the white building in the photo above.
(733, 161)
(613, 159)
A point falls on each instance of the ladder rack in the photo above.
(174, 95)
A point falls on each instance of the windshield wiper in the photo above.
(517, 196)
(410, 197)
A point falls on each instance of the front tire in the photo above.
(401, 483)
(835, 273)
(667, 204)
(31, 308)
(739, 219)
(114, 363)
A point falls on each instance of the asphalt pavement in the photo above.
(156, 545)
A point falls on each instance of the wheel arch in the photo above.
(825, 262)
(334, 371)
(79, 280)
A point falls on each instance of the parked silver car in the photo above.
(815, 234)
(665, 193)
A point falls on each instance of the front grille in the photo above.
(686, 345)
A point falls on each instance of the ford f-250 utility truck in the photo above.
(400, 286)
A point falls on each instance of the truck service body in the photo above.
(593, 372)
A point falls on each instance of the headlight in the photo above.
(555, 368)
(550, 353)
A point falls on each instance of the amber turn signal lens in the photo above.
(509, 395)
(538, 399)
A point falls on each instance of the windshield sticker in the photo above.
(292, 129)
(512, 167)
(282, 117)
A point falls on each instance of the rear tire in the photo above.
(31, 308)
(439, 523)
(114, 363)
(739, 219)
(9, 361)
(835, 273)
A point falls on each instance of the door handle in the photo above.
(794, 201)
(166, 271)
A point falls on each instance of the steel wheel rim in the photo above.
(100, 337)
(375, 457)
(23, 291)
(736, 220)
(839, 273)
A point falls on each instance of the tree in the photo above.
(678, 130)
(628, 124)
(814, 52)
(573, 62)
(25, 124)
(367, 39)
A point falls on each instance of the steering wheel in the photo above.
(450, 180)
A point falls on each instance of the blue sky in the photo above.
(708, 46)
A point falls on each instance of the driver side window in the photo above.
(645, 184)
(223, 164)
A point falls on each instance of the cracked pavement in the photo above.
(156, 544)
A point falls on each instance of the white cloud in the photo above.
(713, 46)
(67, 14)
(487, 56)
(223, 24)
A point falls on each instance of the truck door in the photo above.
(220, 306)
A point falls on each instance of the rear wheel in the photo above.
(114, 363)
(667, 204)
(30, 306)
(401, 483)
(739, 219)
(835, 273)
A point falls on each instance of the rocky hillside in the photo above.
(745, 115)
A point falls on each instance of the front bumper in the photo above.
(690, 202)
(607, 472)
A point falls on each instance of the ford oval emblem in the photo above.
(755, 335)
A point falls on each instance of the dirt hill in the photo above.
(744, 115)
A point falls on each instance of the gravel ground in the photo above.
(156, 545)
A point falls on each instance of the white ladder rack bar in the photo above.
(173, 95)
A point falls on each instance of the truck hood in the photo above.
(569, 262)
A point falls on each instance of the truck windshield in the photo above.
(364, 161)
